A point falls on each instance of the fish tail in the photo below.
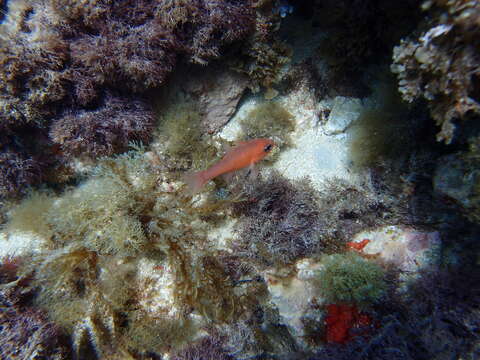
(195, 181)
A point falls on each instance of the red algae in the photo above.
(341, 319)
(358, 246)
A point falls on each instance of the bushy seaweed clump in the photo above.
(123, 264)
(61, 61)
(105, 131)
(26, 331)
(346, 209)
(17, 172)
(208, 348)
(279, 220)
(350, 279)
(268, 120)
(187, 146)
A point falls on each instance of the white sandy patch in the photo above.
(19, 244)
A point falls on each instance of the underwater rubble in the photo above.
(356, 237)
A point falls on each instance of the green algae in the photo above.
(99, 235)
(187, 147)
(382, 132)
(350, 279)
(269, 120)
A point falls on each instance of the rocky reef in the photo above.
(356, 237)
(440, 64)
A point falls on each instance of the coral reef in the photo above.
(441, 64)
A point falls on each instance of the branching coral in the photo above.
(442, 65)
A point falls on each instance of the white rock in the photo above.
(315, 154)
(404, 247)
(345, 110)
(294, 296)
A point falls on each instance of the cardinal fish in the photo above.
(246, 153)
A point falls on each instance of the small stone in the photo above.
(345, 111)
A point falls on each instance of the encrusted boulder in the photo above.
(406, 248)
(218, 92)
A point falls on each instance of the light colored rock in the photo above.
(295, 297)
(345, 111)
(218, 92)
(408, 249)
(315, 154)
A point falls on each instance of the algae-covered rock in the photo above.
(296, 299)
(442, 64)
(218, 92)
(406, 248)
(457, 177)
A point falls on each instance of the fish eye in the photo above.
(268, 148)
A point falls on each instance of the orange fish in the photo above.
(247, 153)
